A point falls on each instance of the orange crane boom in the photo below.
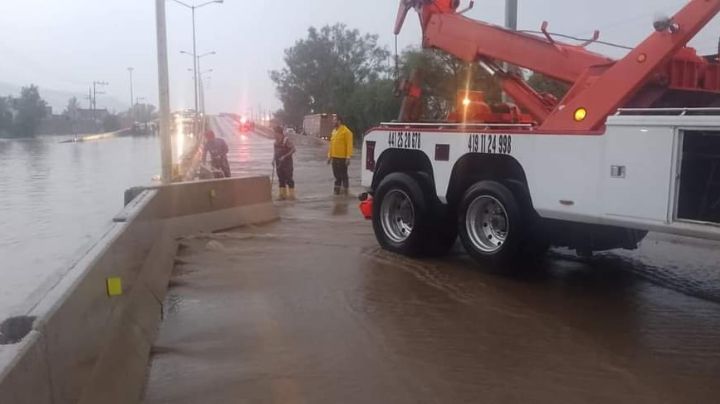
(660, 71)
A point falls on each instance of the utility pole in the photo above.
(511, 14)
(95, 92)
(95, 84)
(164, 92)
(511, 18)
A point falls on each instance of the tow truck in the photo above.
(634, 145)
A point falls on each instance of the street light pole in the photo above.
(202, 88)
(200, 92)
(130, 69)
(164, 92)
(195, 64)
(195, 82)
(196, 76)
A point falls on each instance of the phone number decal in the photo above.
(490, 144)
(405, 140)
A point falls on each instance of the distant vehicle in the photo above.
(318, 125)
(182, 122)
(290, 131)
(246, 125)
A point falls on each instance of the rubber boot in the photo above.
(291, 194)
(336, 190)
(282, 194)
(344, 191)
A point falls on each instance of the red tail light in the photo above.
(370, 155)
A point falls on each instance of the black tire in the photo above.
(536, 243)
(499, 250)
(442, 231)
(443, 236)
(401, 186)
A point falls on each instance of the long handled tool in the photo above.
(272, 176)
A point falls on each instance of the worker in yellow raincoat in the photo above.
(339, 154)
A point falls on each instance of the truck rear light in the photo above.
(366, 207)
(370, 155)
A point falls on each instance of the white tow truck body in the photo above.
(629, 175)
(632, 146)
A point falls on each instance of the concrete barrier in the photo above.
(87, 347)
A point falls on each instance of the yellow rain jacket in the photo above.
(341, 143)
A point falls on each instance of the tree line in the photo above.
(340, 70)
(21, 116)
(336, 70)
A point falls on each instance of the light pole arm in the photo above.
(183, 4)
(207, 3)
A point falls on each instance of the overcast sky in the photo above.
(66, 44)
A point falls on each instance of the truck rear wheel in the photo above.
(442, 229)
(442, 237)
(491, 226)
(401, 217)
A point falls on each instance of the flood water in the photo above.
(55, 200)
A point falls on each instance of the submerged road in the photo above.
(310, 310)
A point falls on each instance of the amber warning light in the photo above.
(580, 114)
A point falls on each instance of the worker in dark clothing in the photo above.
(218, 151)
(340, 152)
(283, 160)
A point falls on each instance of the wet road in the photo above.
(310, 310)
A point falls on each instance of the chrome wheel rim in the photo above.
(487, 224)
(397, 215)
